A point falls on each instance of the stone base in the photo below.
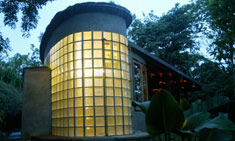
(137, 135)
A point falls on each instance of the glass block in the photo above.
(116, 64)
(97, 53)
(108, 63)
(109, 101)
(89, 121)
(97, 44)
(70, 65)
(125, 111)
(65, 41)
(79, 121)
(127, 130)
(118, 101)
(70, 93)
(70, 84)
(107, 35)
(117, 91)
(98, 72)
(70, 38)
(126, 120)
(88, 82)
(71, 122)
(98, 63)
(122, 39)
(71, 103)
(87, 35)
(109, 91)
(111, 131)
(117, 73)
(117, 82)
(88, 91)
(70, 74)
(108, 72)
(100, 121)
(110, 121)
(108, 54)
(78, 82)
(115, 55)
(70, 47)
(87, 54)
(119, 130)
(116, 37)
(79, 112)
(90, 131)
(87, 63)
(118, 110)
(89, 111)
(78, 102)
(110, 111)
(123, 57)
(88, 101)
(99, 111)
(107, 45)
(99, 101)
(78, 46)
(98, 81)
(99, 91)
(78, 92)
(125, 101)
(123, 48)
(109, 82)
(70, 56)
(79, 132)
(77, 55)
(97, 35)
(78, 36)
(87, 72)
(100, 131)
(119, 120)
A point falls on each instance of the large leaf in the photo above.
(220, 122)
(142, 105)
(211, 103)
(195, 120)
(164, 114)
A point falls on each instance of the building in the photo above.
(95, 73)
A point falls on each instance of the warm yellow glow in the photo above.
(90, 85)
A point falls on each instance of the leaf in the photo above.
(207, 105)
(142, 105)
(164, 114)
(195, 120)
(219, 122)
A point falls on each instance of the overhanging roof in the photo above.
(154, 59)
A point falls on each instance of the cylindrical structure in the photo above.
(86, 48)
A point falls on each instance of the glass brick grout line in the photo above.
(90, 85)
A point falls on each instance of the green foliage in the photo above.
(216, 80)
(11, 71)
(10, 106)
(29, 9)
(184, 103)
(170, 37)
(217, 20)
(207, 105)
(163, 114)
(199, 123)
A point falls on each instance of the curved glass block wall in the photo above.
(91, 85)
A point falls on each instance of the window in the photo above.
(140, 82)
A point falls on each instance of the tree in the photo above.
(170, 37)
(217, 20)
(29, 19)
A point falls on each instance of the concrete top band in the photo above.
(80, 9)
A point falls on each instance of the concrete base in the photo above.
(137, 135)
(36, 111)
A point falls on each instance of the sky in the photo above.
(21, 45)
